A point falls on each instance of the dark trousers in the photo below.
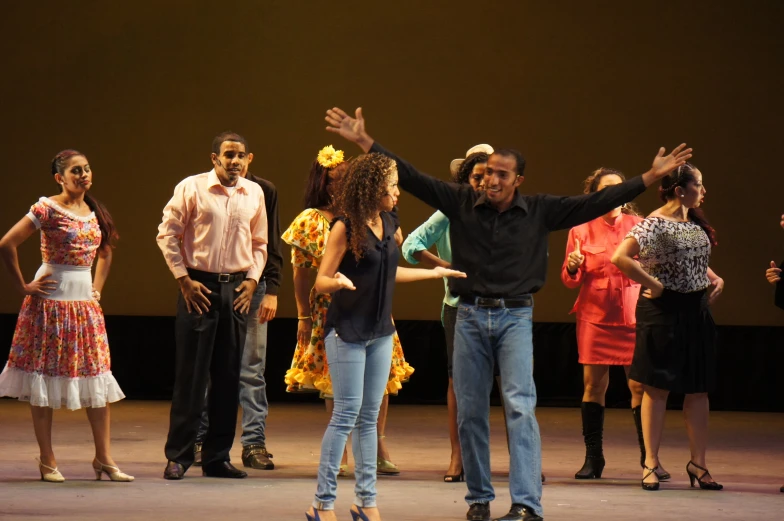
(208, 350)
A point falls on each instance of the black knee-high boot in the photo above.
(637, 412)
(593, 428)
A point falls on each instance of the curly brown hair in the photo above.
(359, 193)
(591, 183)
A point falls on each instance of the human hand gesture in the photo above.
(446, 272)
(268, 308)
(352, 129)
(663, 165)
(245, 290)
(42, 287)
(304, 330)
(576, 258)
(718, 287)
(655, 291)
(773, 274)
(782, 221)
(195, 295)
(344, 282)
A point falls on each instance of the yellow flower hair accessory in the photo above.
(328, 157)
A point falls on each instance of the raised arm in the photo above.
(434, 192)
(566, 212)
(9, 244)
(623, 258)
(329, 279)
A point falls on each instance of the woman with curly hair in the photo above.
(360, 269)
(675, 348)
(307, 235)
(435, 230)
(605, 317)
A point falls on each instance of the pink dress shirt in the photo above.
(606, 296)
(209, 227)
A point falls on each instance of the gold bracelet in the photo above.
(304, 318)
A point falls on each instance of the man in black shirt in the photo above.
(263, 307)
(499, 239)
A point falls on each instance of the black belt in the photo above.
(207, 276)
(526, 301)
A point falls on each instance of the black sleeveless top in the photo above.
(366, 313)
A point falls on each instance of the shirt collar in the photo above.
(518, 201)
(213, 181)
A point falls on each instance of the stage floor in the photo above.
(746, 454)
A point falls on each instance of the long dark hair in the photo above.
(108, 232)
(682, 176)
(591, 184)
(467, 166)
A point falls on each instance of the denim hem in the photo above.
(368, 502)
(323, 505)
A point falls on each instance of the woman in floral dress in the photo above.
(307, 236)
(60, 354)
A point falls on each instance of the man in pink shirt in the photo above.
(214, 239)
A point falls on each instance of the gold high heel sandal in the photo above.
(114, 473)
(52, 477)
(385, 466)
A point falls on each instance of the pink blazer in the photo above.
(606, 296)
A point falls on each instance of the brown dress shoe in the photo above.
(257, 457)
(173, 471)
(197, 455)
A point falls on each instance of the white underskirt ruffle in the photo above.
(60, 392)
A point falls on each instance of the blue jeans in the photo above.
(359, 376)
(484, 336)
(253, 387)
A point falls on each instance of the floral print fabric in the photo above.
(307, 235)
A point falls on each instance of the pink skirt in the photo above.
(599, 344)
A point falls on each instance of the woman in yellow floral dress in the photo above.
(307, 236)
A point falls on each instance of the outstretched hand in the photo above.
(352, 129)
(344, 282)
(446, 272)
(664, 164)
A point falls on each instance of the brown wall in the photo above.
(143, 86)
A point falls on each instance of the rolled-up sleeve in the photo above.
(425, 236)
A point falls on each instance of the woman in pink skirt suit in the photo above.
(606, 322)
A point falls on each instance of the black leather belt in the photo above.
(526, 301)
(207, 276)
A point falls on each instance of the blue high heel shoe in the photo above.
(360, 515)
(311, 518)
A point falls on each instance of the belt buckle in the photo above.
(224, 277)
(487, 302)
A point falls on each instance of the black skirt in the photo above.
(675, 347)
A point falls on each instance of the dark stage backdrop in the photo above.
(751, 358)
(142, 87)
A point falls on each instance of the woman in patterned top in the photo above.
(307, 235)
(60, 354)
(675, 348)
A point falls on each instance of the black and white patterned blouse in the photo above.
(674, 253)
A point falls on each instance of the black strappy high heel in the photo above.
(454, 478)
(650, 486)
(704, 485)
